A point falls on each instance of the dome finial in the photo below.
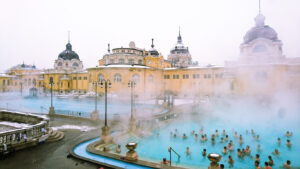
(68, 36)
(259, 7)
(259, 19)
(108, 49)
(152, 45)
(179, 39)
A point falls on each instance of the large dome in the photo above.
(260, 30)
(68, 54)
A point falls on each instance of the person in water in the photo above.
(258, 148)
(235, 134)
(213, 140)
(267, 166)
(165, 161)
(252, 132)
(221, 166)
(276, 152)
(243, 152)
(204, 152)
(257, 165)
(221, 140)
(223, 132)
(288, 134)
(278, 141)
(257, 158)
(193, 132)
(230, 147)
(217, 133)
(202, 139)
(174, 135)
(226, 138)
(288, 143)
(205, 137)
(241, 140)
(196, 136)
(225, 151)
(184, 136)
(248, 151)
(287, 165)
(187, 151)
(230, 160)
(271, 162)
(239, 153)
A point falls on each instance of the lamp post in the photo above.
(95, 113)
(51, 109)
(105, 136)
(132, 125)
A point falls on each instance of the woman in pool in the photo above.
(196, 137)
(225, 151)
(288, 143)
(213, 140)
(248, 151)
(271, 162)
(243, 152)
(204, 152)
(184, 136)
(226, 138)
(230, 147)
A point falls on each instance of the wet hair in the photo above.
(270, 157)
(238, 149)
(225, 147)
(226, 135)
(266, 163)
(164, 159)
(288, 140)
(257, 155)
(221, 165)
(257, 162)
(229, 156)
(204, 149)
(288, 162)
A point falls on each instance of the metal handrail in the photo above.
(170, 149)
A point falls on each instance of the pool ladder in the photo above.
(170, 149)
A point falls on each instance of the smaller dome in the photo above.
(153, 51)
(68, 54)
(260, 31)
(131, 44)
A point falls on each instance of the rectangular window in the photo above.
(84, 78)
(79, 78)
(175, 76)
(166, 76)
(208, 76)
(74, 78)
(111, 61)
(185, 76)
(196, 76)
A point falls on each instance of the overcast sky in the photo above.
(35, 31)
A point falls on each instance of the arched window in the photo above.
(150, 78)
(130, 61)
(75, 64)
(121, 61)
(59, 64)
(117, 78)
(140, 62)
(100, 77)
(136, 78)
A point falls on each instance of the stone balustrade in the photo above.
(38, 126)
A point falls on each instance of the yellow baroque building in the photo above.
(260, 70)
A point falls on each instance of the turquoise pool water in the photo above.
(81, 151)
(85, 106)
(269, 124)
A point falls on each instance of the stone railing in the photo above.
(38, 127)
